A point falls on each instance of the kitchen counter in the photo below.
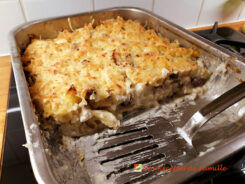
(5, 73)
(235, 25)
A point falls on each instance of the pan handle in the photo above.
(210, 110)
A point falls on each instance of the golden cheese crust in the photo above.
(92, 65)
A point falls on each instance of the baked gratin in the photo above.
(91, 76)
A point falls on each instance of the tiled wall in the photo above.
(187, 13)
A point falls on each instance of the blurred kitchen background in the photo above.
(187, 13)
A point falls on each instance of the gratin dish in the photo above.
(229, 140)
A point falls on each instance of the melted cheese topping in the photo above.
(90, 66)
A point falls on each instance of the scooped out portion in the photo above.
(86, 79)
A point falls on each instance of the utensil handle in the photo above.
(212, 109)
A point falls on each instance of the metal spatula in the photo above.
(145, 150)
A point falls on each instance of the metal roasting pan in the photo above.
(230, 135)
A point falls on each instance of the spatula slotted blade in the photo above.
(154, 143)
